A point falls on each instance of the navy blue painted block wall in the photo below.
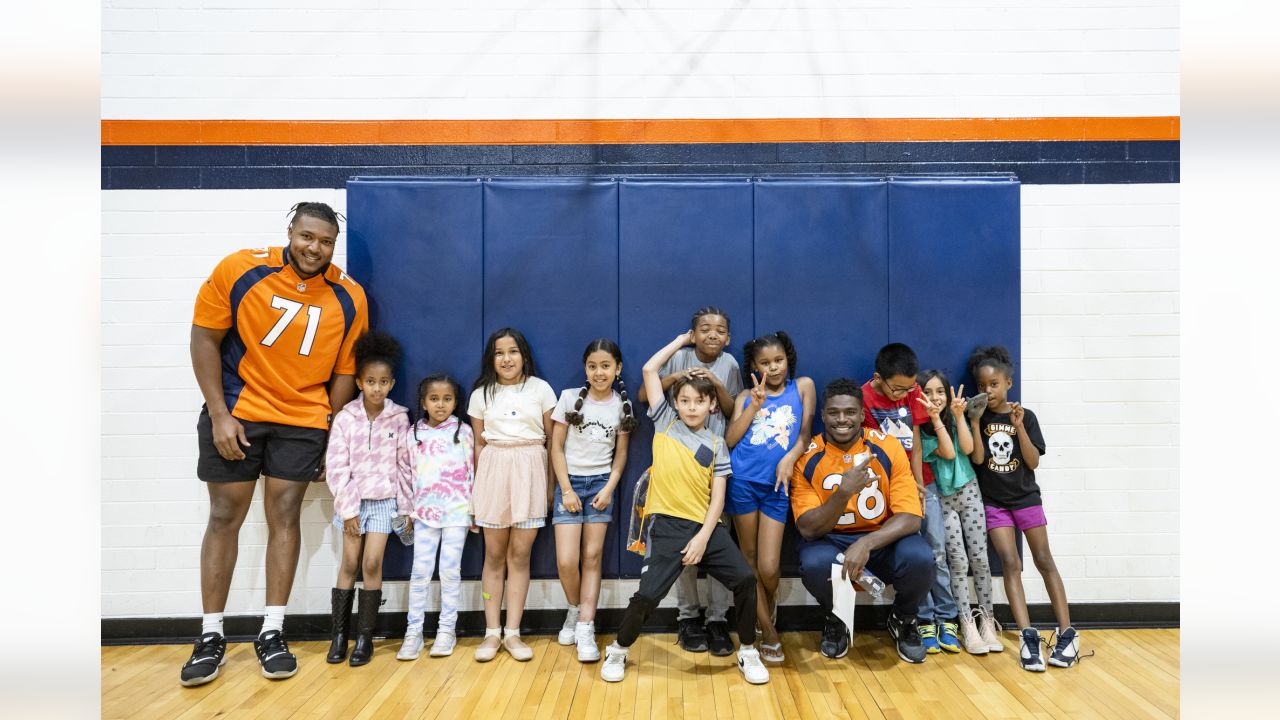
(837, 262)
(126, 167)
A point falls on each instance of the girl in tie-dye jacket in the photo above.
(441, 449)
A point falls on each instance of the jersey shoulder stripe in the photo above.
(346, 302)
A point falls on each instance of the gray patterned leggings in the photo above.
(966, 527)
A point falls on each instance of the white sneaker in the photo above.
(752, 669)
(615, 663)
(444, 643)
(585, 636)
(411, 647)
(567, 633)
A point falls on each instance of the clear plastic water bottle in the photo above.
(868, 581)
(403, 528)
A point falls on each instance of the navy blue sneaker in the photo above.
(1066, 648)
(1030, 657)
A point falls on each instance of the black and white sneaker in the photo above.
(1066, 648)
(1030, 656)
(274, 656)
(835, 638)
(906, 635)
(210, 653)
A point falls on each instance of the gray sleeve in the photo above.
(733, 383)
(674, 364)
(661, 414)
(723, 467)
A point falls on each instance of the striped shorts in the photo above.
(375, 516)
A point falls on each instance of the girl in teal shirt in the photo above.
(965, 521)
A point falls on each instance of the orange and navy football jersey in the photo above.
(818, 474)
(285, 336)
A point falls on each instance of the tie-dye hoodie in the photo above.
(368, 459)
(442, 473)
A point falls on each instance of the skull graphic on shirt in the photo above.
(1001, 446)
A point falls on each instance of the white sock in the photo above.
(212, 623)
(274, 619)
(573, 611)
(588, 623)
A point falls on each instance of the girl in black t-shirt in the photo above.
(1006, 451)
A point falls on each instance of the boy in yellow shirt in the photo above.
(686, 497)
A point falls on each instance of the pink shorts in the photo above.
(1024, 519)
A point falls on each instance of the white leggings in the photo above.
(426, 540)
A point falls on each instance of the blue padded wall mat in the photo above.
(682, 245)
(821, 272)
(416, 247)
(843, 264)
(551, 253)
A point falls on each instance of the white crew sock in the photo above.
(274, 619)
(212, 623)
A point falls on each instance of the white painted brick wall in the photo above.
(1100, 366)
(323, 59)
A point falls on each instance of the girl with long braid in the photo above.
(589, 435)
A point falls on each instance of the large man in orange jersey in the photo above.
(271, 345)
(853, 493)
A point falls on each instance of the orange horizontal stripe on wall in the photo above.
(530, 132)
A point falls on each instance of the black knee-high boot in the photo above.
(366, 619)
(341, 600)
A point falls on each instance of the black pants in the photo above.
(662, 565)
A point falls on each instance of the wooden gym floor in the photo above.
(1133, 675)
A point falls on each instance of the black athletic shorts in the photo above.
(275, 450)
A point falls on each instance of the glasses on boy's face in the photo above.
(897, 390)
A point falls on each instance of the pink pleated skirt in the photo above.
(511, 484)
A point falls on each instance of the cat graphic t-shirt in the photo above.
(1003, 476)
(588, 447)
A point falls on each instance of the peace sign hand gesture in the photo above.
(958, 403)
(934, 412)
(757, 393)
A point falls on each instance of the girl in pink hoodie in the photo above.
(368, 470)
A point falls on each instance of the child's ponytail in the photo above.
(788, 349)
(574, 416)
(629, 421)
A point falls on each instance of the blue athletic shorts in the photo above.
(746, 496)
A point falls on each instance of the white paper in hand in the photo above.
(843, 596)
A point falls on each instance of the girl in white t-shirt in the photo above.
(510, 413)
(588, 453)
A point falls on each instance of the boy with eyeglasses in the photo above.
(895, 405)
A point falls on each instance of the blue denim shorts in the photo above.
(586, 486)
(746, 496)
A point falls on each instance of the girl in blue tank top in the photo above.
(768, 433)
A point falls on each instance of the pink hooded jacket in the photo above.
(368, 459)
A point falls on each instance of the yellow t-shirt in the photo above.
(684, 463)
